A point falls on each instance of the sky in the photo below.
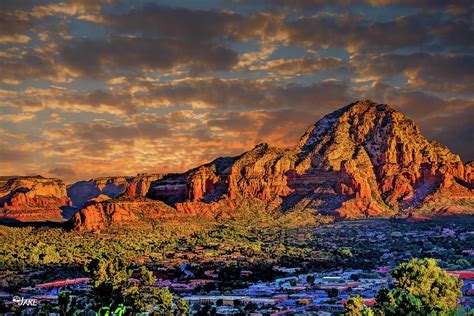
(93, 88)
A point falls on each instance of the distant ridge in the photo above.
(365, 159)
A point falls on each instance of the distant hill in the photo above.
(365, 159)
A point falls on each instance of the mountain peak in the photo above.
(361, 106)
(354, 120)
(365, 159)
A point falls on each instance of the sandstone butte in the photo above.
(32, 198)
(362, 160)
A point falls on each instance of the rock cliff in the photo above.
(32, 198)
(83, 191)
(365, 159)
(101, 213)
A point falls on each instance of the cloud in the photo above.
(12, 155)
(442, 73)
(355, 32)
(453, 7)
(19, 117)
(294, 66)
(26, 64)
(77, 8)
(246, 94)
(194, 25)
(120, 54)
(12, 27)
(107, 87)
(63, 171)
(56, 98)
(454, 131)
(456, 34)
(97, 131)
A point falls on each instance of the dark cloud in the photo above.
(172, 87)
(455, 131)
(20, 65)
(63, 171)
(8, 155)
(443, 73)
(119, 54)
(460, 6)
(308, 64)
(97, 131)
(235, 122)
(455, 34)
(355, 32)
(11, 23)
(98, 146)
(194, 25)
(250, 94)
(202, 134)
(315, 97)
(416, 104)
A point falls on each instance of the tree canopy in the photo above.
(421, 287)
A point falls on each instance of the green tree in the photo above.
(437, 290)
(251, 307)
(355, 307)
(164, 300)
(345, 252)
(67, 305)
(109, 280)
(112, 288)
(385, 301)
(45, 309)
(332, 292)
(146, 277)
(421, 287)
(183, 307)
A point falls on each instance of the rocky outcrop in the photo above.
(32, 198)
(83, 191)
(365, 159)
(101, 214)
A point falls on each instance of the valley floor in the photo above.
(265, 263)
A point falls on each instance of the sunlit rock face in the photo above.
(100, 214)
(385, 164)
(363, 160)
(32, 198)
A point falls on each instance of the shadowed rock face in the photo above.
(83, 191)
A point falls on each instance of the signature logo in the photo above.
(21, 301)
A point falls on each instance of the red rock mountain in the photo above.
(362, 160)
(365, 159)
(32, 198)
(83, 191)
